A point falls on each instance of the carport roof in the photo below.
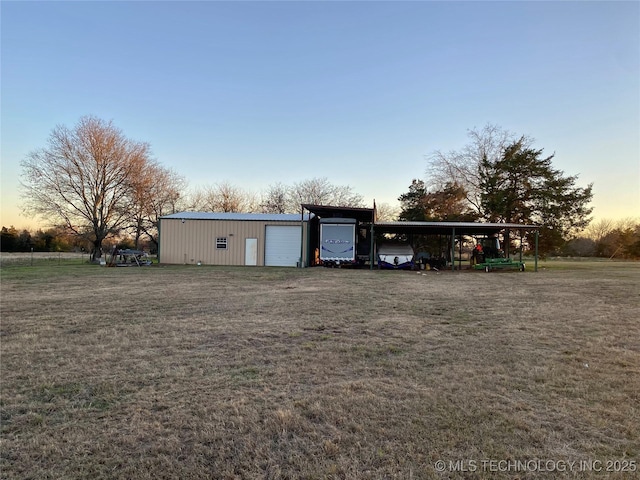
(446, 228)
(364, 215)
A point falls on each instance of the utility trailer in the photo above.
(338, 242)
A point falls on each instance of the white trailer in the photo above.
(337, 241)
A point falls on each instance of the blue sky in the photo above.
(255, 93)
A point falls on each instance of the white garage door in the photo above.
(282, 246)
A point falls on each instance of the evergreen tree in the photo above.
(447, 204)
(412, 202)
(523, 187)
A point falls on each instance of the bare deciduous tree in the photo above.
(278, 198)
(83, 180)
(386, 212)
(158, 191)
(599, 229)
(274, 200)
(319, 191)
(461, 167)
(224, 197)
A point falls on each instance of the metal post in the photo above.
(308, 261)
(301, 262)
(453, 249)
(520, 245)
(536, 251)
(372, 248)
(507, 246)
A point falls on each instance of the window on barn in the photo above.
(221, 243)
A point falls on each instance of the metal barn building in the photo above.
(233, 239)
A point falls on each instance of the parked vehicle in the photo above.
(338, 241)
(396, 256)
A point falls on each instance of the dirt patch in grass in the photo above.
(207, 372)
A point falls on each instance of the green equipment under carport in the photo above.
(488, 255)
(499, 263)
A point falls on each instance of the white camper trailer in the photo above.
(337, 241)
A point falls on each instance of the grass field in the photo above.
(223, 373)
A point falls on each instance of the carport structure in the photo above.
(455, 230)
(366, 218)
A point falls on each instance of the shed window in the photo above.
(221, 243)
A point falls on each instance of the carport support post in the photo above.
(301, 262)
(520, 245)
(453, 249)
(371, 250)
(307, 252)
(507, 243)
(536, 252)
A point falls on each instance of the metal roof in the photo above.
(329, 211)
(256, 217)
(446, 228)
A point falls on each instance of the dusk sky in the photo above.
(254, 93)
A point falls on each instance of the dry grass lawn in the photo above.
(242, 373)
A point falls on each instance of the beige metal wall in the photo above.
(194, 241)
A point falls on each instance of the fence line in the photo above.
(9, 259)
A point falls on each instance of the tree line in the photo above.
(93, 184)
(500, 177)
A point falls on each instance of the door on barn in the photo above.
(251, 251)
(282, 246)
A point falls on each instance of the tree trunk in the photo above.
(96, 253)
(154, 241)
